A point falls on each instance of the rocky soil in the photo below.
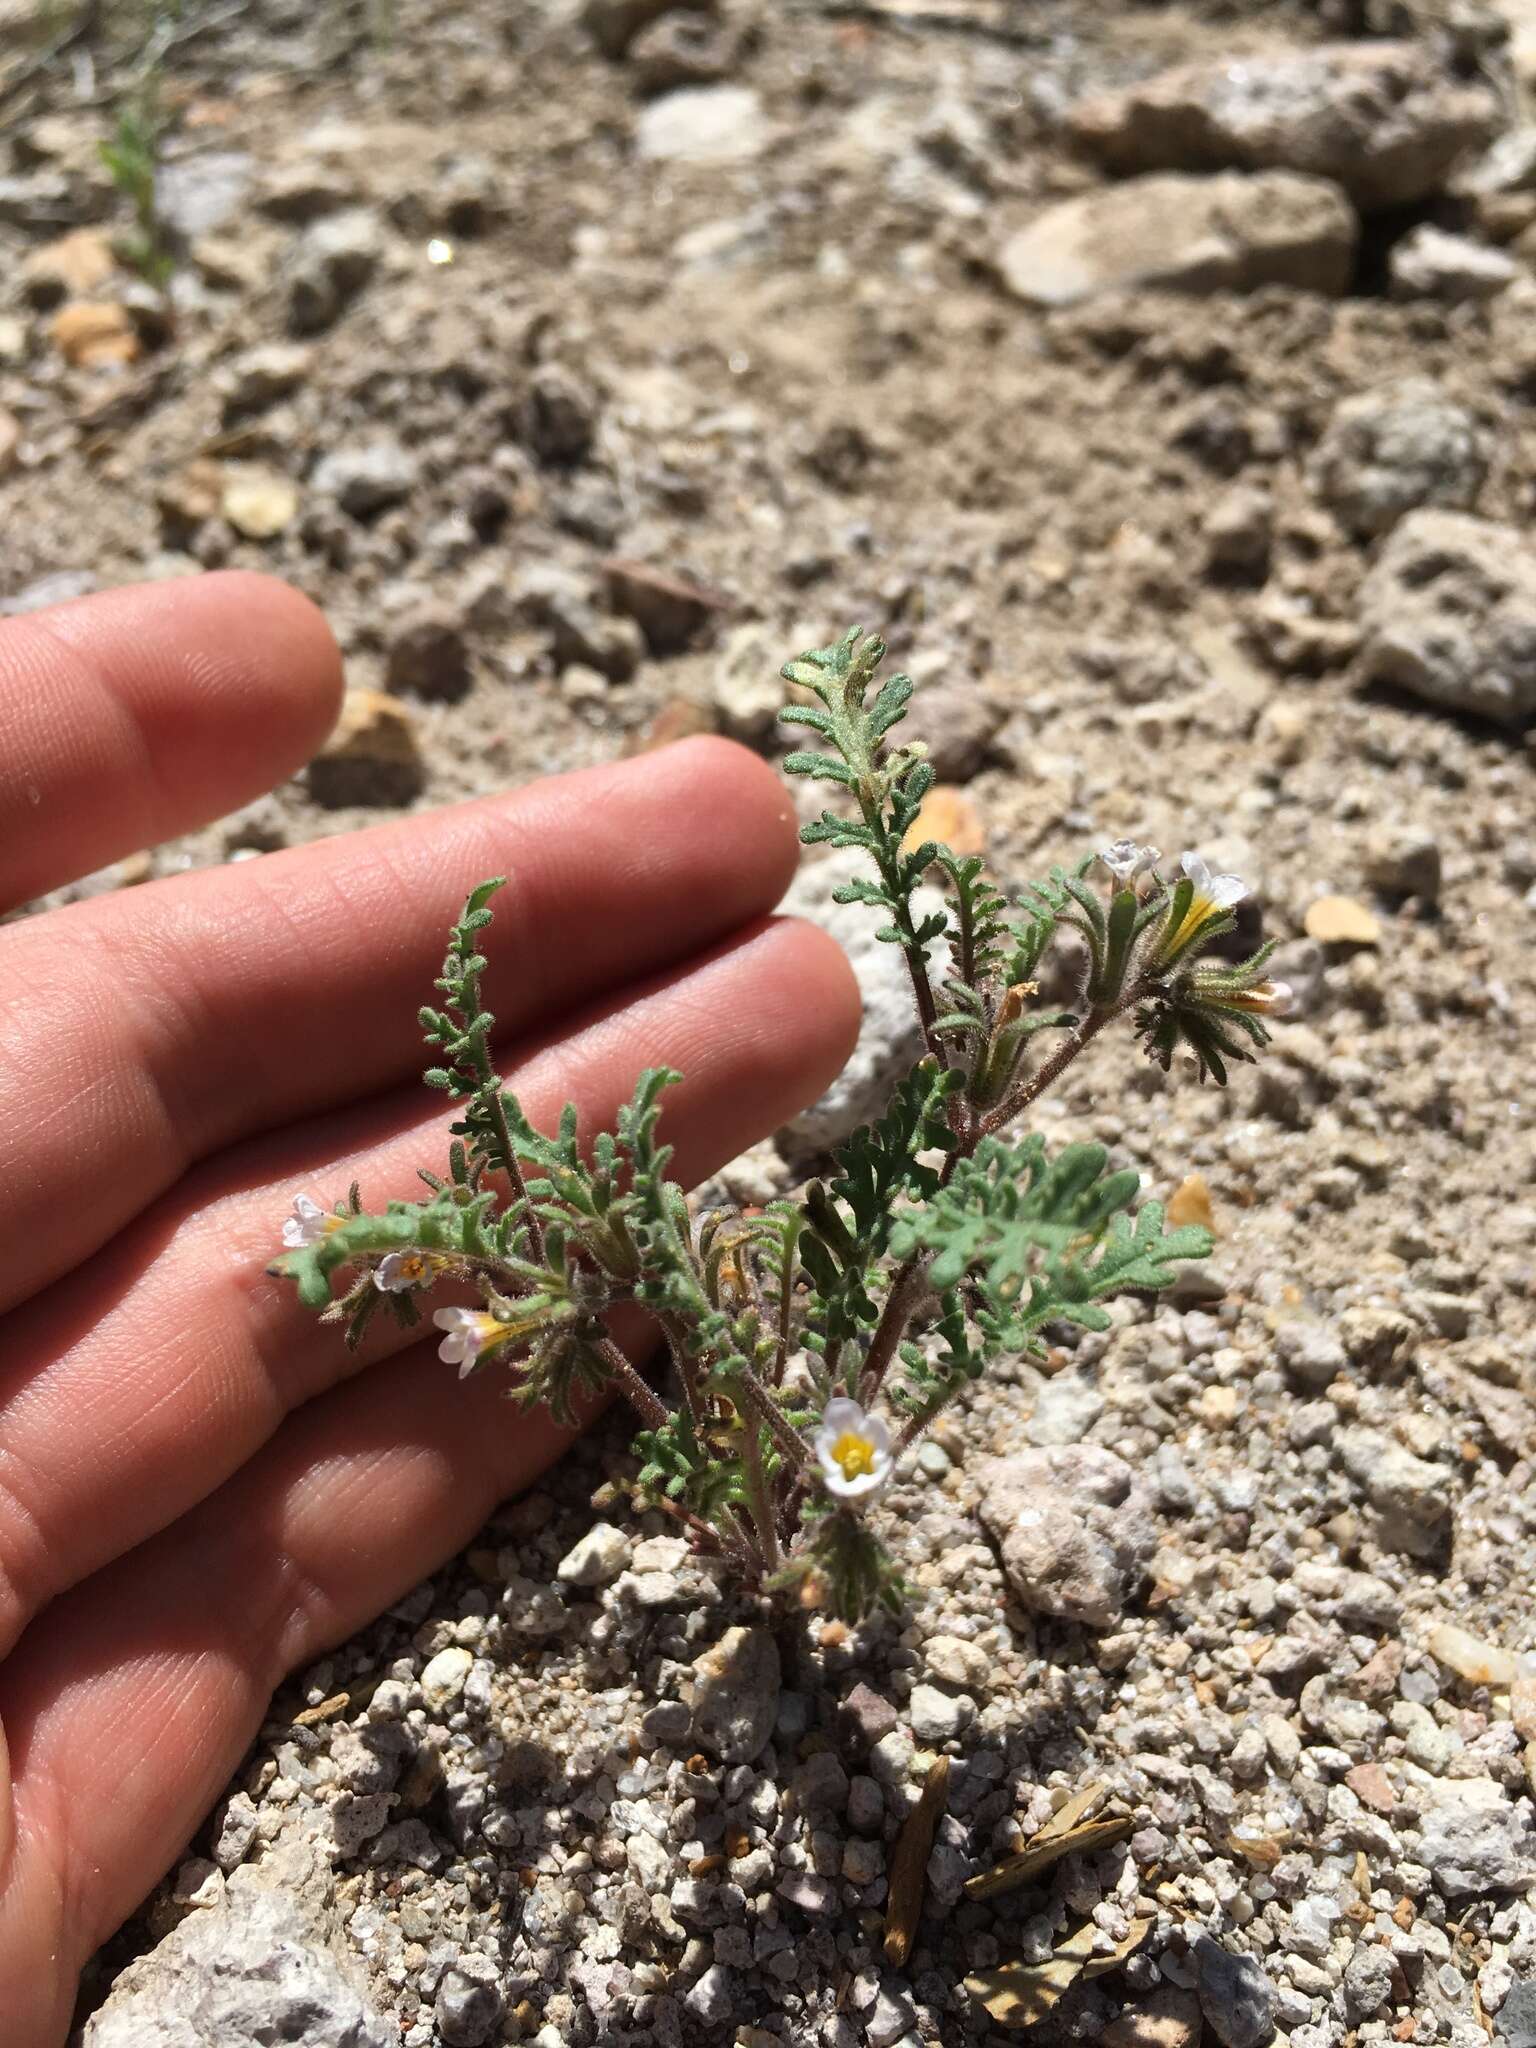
(1161, 380)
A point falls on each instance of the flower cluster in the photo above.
(1199, 1003)
(813, 1342)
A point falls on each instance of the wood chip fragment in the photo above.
(1019, 1995)
(324, 1710)
(1071, 1812)
(1015, 1871)
(909, 1864)
(1262, 1851)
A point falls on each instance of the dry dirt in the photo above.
(797, 384)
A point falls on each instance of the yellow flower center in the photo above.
(856, 1454)
(1200, 908)
(414, 1267)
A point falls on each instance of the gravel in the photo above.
(578, 461)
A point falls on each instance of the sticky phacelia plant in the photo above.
(813, 1341)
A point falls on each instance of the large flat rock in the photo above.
(1449, 613)
(1231, 232)
(1384, 120)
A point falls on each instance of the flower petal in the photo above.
(1225, 890)
(841, 1414)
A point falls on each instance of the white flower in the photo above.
(1126, 861)
(1212, 892)
(467, 1333)
(308, 1223)
(398, 1272)
(1210, 896)
(853, 1450)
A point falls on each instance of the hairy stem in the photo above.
(652, 1409)
(506, 1150)
(915, 1425)
(757, 1494)
(727, 1540)
(1046, 1076)
(786, 1324)
(757, 1399)
(676, 1336)
(907, 1289)
(917, 966)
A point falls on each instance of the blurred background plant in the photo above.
(132, 155)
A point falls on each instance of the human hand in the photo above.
(200, 1489)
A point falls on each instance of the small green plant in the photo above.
(132, 156)
(814, 1341)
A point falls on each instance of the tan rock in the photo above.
(669, 610)
(232, 263)
(954, 1661)
(1289, 728)
(10, 440)
(1218, 1407)
(75, 264)
(1377, 1677)
(1448, 610)
(371, 757)
(1190, 1202)
(1185, 234)
(1479, 1663)
(680, 718)
(1522, 1705)
(1370, 1783)
(1341, 921)
(95, 335)
(948, 814)
(189, 497)
(1521, 16)
(1167, 2019)
(259, 502)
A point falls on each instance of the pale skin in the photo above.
(200, 1488)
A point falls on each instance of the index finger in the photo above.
(141, 713)
(143, 1030)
